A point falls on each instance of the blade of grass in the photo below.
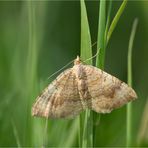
(32, 53)
(108, 19)
(86, 51)
(101, 35)
(129, 74)
(15, 131)
(86, 121)
(101, 55)
(35, 33)
(142, 133)
(73, 134)
(104, 35)
(116, 19)
(31, 68)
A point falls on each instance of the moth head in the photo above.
(77, 61)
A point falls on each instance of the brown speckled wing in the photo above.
(60, 99)
(107, 92)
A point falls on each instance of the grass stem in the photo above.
(101, 56)
(86, 120)
(101, 35)
(129, 106)
(116, 19)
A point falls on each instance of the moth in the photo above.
(82, 87)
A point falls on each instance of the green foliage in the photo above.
(38, 38)
(129, 66)
(101, 35)
(116, 19)
(86, 119)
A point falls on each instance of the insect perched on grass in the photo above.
(79, 88)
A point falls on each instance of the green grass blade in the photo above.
(100, 58)
(86, 121)
(129, 106)
(108, 19)
(88, 129)
(142, 133)
(73, 134)
(101, 35)
(81, 126)
(132, 36)
(15, 131)
(116, 19)
(86, 51)
(31, 70)
(104, 34)
(32, 53)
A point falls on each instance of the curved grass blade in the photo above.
(86, 120)
(116, 19)
(129, 105)
(108, 20)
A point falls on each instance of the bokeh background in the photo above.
(38, 39)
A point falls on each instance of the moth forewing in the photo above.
(81, 87)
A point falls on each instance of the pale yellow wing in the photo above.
(60, 99)
(107, 91)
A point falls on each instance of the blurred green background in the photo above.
(39, 38)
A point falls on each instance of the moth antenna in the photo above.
(73, 61)
(60, 69)
(93, 56)
(95, 43)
